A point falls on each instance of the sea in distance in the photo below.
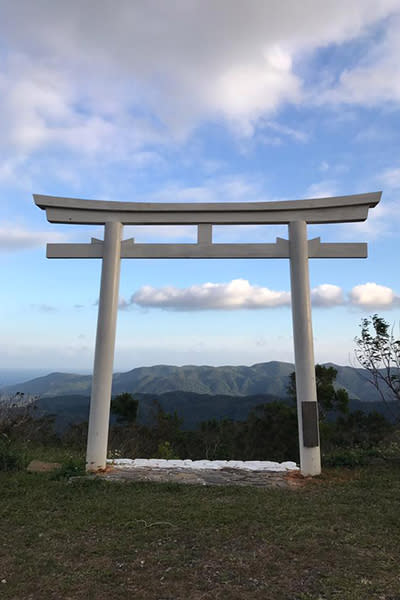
(13, 376)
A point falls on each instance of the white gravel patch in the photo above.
(161, 463)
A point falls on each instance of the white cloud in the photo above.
(246, 91)
(15, 238)
(372, 295)
(375, 78)
(326, 295)
(240, 294)
(237, 294)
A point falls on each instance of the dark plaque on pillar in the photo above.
(309, 411)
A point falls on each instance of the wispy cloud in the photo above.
(295, 134)
(46, 308)
(391, 178)
(383, 220)
(322, 189)
(14, 238)
(222, 188)
(374, 78)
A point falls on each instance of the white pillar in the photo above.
(99, 416)
(306, 390)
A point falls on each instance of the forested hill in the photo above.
(191, 408)
(269, 378)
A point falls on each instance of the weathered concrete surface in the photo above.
(206, 476)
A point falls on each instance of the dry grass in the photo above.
(337, 537)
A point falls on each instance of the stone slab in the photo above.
(208, 477)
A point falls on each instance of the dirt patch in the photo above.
(39, 466)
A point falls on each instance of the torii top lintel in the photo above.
(339, 209)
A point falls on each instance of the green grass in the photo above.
(337, 538)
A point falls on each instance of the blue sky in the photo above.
(189, 101)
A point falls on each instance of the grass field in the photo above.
(336, 538)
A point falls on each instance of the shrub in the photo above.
(389, 449)
(165, 450)
(72, 467)
(125, 407)
(349, 457)
(12, 457)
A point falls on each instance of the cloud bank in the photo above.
(211, 296)
(95, 75)
(240, 294)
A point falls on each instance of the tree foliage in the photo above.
(378, 351)
(329, 399)
(125, 407)
(272, 432)
(269, 433)
(360, 429)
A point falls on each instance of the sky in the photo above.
(195, 101)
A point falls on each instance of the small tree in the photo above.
(329, 398)
(378, 351)
(270, 432)
(125, 406)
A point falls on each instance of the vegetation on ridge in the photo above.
(265, 378)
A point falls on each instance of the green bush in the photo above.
(349, 457)
(12, 457)
(389, 449)
(72, 467)
(166, 451)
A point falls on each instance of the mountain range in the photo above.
(269, 378)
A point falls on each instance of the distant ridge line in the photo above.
(270, 378)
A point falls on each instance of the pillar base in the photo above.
(310, 462)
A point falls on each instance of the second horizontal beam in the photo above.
(278, 250)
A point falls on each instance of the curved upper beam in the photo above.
(340, 209)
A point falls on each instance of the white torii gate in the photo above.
(296, 214)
